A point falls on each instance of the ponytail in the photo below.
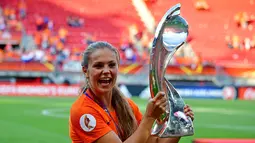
(126, 118)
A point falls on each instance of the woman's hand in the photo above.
(156, 106)
(188, 112)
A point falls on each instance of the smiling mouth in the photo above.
(105, 82)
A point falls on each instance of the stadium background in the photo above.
(41, 42)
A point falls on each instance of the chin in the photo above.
(105, 89)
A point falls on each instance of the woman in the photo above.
(102, 114)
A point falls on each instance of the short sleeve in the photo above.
(136, 110)
(89, 124)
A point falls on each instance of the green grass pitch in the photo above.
(45, 119)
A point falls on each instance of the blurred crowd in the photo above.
(136, 46)
(245, 22)
(49, 43)
(10, 25)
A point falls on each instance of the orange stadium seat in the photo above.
(106, 22)
(209, 28)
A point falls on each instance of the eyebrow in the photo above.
(105, 62)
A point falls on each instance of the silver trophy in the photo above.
(171, 33)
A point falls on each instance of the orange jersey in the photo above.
(88, 121)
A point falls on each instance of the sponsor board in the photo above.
(38, 90)
(227, 92)
(213, 92)
(246, 93)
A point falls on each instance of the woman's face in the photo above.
(102, 70)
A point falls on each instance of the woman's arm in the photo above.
(139, 136)
(155, 108)
(143, 132)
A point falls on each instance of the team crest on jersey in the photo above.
(87, 122)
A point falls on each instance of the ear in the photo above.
(85, 71)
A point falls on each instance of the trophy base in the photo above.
(176, 130)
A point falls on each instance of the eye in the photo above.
(98, 65)
(112, 65)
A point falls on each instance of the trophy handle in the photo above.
(171, 33)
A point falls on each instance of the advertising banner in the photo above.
(246, 93)
(38, 90)
(227, 92)
(209, 92)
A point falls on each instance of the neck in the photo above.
(104, 99)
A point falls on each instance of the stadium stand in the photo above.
(104, 24)
(100, 23)
(208, 29)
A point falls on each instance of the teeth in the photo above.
(106, 79)
(105, 82)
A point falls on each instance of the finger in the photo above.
(191, 115)
(186, 106)
(151, 100)
(187, 110)
(157, 104)
(164, 104)
(161, 102)
(163, 108)
(159, 96)
(192, 118)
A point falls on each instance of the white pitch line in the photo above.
(221, 111)
(229, 127)
(58, 113)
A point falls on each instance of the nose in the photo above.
(106, 70)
